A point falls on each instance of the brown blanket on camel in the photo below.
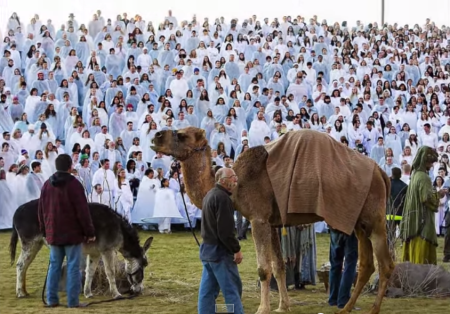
(311, 173)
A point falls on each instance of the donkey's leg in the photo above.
(279, 272)
(109, 259)
(261, 230)
(91, 266)
(366, 268)
(27, 255)
(385, 263)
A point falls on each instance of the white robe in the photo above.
(166, 210)
(106, 179)
(124, 199)
(145, 202)
(258, 130)
(48, 165)
(8, 207)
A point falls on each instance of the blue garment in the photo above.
(222, 275)
(73, 284)
(342, 246)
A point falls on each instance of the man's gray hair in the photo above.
(220, 174)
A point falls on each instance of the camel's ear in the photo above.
(147, 245)
(201, 134)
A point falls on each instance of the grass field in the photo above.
(172, 281)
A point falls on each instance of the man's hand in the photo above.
(90, 240)
(238, 257)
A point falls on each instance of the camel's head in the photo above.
(180, 144)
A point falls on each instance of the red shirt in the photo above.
(63, 211)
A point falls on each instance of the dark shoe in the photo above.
(51, 305)
(299, 286)
(446, 259)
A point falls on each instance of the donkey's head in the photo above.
(135, 266)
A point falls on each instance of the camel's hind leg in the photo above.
(261, 231)
(385, 263)
(27, 255)
(366, 268)
(279, 272)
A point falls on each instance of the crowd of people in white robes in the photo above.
(100, 90)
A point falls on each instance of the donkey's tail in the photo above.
(13, 245)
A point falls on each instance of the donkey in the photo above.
(113, 233)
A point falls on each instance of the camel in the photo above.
(190, 147)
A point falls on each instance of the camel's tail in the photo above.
(13, 245)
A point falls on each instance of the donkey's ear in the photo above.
(147, 244)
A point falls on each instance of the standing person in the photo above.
(342, 246)
(105, 177)
(220, 251)
(65, 220)
(417, 228)
(447, 237)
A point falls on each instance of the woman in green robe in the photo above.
(417, 228)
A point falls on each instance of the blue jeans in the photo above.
(342, 246)
(73, 288)
(220, 276)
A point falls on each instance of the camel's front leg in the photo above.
(91, 266)
(261, 231)
(279, 271)
(109, 258)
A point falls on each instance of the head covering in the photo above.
(129, 106)
(20, 159)
(196, 70)
(43, 126)
(84, 156)
(412, 132)
(21, 169)
(424, 155)
(23, 152)
(30, 126)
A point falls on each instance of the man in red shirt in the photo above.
(65, 220)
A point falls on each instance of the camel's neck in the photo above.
(197, 175)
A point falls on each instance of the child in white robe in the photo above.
(124, 200)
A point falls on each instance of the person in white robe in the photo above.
(8, 207)
(258, 131)
(35, 180)
(117, 122)
(166, 210)
(30, 140)
(7, 155)
(105, 178)
(19, 184)
(124, 196)
(97, 196)
(48, 163)
(145, 202)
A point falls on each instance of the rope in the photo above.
(185, 209)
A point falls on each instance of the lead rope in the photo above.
(186, 211)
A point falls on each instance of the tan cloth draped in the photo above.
(311, 173)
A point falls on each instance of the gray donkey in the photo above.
(113, 233)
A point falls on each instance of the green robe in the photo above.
(421, 204)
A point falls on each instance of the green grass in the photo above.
(172, 282)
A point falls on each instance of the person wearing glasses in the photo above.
(220, 251)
